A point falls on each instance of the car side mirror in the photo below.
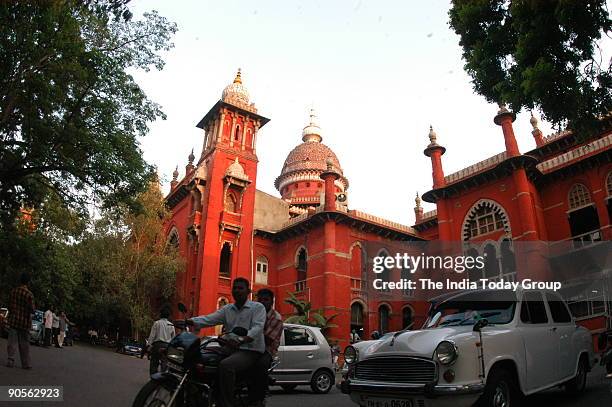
(480, 324)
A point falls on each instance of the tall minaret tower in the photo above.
(228, 201)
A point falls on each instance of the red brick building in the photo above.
(310, 242)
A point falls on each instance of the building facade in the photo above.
(311, 243)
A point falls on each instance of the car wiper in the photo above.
(479, 316)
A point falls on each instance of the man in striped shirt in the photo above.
(273, 329)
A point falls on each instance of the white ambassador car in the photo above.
(489, 347)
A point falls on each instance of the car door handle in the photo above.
(310, 355)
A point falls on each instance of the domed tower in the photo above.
(300, 183)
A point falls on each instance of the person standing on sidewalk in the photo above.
(48, 318)
(63, 323)
(162, 332)
(21, 307)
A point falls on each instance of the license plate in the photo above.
(379, 402)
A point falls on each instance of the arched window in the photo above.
(474, 273)
(609, 189)
(484, 217)
(261, 270)
(231, 203)
(385, 275)
(226, 260)
(237, 133)
(302, 270)
(508, 261)
(491, 262)
(173, 238)
(407, 317)
(383, 318)
(356, 316)
(582, 216)
(579, 196)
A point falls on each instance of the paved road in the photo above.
(98, 377)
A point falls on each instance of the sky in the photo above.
(378, 74)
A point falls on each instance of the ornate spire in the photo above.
(417, 200)
(312, 132)
(433, 137)
(533, 121)
(191, 157)
(502, 108)
(238, 79)
(175, 174)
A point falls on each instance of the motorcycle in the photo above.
(191, 377)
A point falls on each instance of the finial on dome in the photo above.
(433, 137)
(238, 79)
(312, 132)
(191, 157)
(417, 200)
(534, 121)
(175, 174)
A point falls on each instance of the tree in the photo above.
(539, 55)
(304, 316)
(70, 112)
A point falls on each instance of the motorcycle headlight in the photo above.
(446, 353)
(175, 354)
(350, 355)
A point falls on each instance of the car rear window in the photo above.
(298, 337)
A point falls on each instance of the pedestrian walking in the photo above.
(55, 329)
(63, 326)
(48, 318)
(21, 307)
(162, 332)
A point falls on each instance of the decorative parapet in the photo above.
(555, 136)
(295, 220)
(430, 214)
(305, 199)
(381, 221)
(478, 167)
(578, 152)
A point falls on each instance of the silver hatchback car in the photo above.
(305, 358)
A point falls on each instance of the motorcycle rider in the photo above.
(273, 330)
(248, 349)
(161, 334)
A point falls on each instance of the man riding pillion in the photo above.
(242, 313)
(272, 335)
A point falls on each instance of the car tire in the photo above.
(577, 385)
(322, 382)
(288, 387)
(501, 390)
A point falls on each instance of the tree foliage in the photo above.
(304, 316)
(70, 112)
(538, 55)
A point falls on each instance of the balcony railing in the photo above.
(586, 239)
(300, 285)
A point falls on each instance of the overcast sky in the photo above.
(377, 72)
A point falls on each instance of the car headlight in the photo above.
(446, 353)
(175, 354)
(350, 355)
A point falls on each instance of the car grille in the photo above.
(397, 370)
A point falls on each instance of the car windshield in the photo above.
(497, 307)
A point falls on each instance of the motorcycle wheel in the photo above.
(154, 394)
